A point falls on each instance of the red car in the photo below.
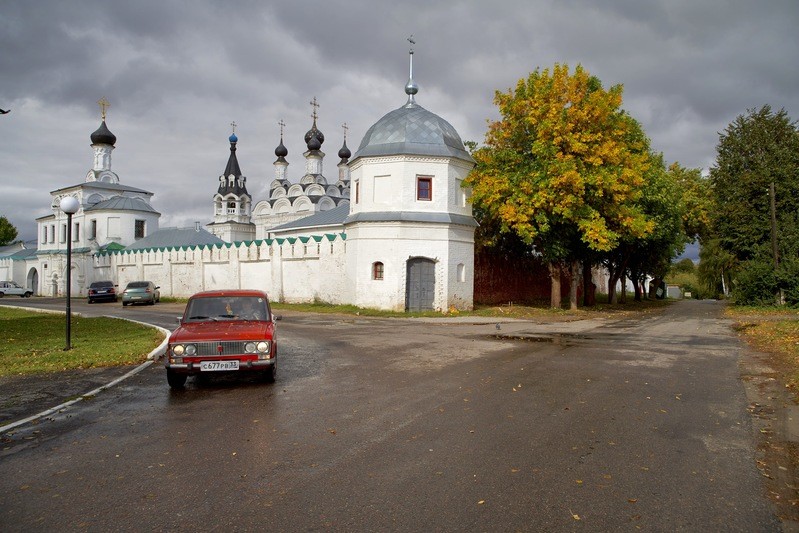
(223, 331)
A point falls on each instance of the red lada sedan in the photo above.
(223, 331)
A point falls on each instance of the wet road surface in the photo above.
(406, 425)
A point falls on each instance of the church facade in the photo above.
(393, 231)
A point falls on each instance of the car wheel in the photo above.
(175, 380)
(2, 294)
(152, 302)
(124, 304)
(28, 294)
(269, 375)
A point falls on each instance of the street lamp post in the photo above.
(69, 205)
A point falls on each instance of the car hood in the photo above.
(223, 330)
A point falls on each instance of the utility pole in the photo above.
(774, 248)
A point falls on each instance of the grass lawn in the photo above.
(774, 331)
(33, 342)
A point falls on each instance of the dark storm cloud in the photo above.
(178, 73)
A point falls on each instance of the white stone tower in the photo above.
(410, 231)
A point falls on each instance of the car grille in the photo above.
(212, 348)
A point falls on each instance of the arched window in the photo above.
(377, 270)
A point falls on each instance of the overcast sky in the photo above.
(177, 73)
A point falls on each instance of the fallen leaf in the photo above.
(632, 500)
(481, 502)
(575, 516)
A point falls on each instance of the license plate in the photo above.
(215, 366)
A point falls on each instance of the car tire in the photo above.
(2, 294)
(175, 380)
(124, 304)
(271, 374)
(28, 294)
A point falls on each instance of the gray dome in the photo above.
(412, 130)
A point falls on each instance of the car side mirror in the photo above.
(157, 287)
(277, 317)
(180, 319)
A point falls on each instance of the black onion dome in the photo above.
(314, 143)
(281, 151)
(103, 135)
(314, 132)
(344, 153)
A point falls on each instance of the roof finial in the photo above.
(315, 105)
(411, 88)
(104, 104)
(233, 125)
(345, 127)
(281, 124)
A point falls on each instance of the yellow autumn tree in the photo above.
(563, 168)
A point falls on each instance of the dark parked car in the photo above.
(11, 288)
(141, 292)
(102, 291)
(223, 331)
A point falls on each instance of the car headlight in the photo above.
(249, 347)
(178, 350)
(264, 346)
(191, 349)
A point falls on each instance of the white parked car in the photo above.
(10, 288)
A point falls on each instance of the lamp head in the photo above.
(69, 205)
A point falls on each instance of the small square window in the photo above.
(139, 230)
(377, 270)
(424, 188)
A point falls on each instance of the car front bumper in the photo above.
(244, 366)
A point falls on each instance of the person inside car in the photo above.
(252, 309)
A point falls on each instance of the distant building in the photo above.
(393, 231)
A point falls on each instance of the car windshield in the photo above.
(227, 308)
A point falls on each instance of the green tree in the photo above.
(562, 169)
(696, 201)
(652, 254)
(758, 153)
(7, 231)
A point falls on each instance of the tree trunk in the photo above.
(623, 287)
(575, 282)
(612, 279)
(589, 289)
(635, 276)
(554, 278)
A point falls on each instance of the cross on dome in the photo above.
(411, 88)
(104, 104)
(315, 106)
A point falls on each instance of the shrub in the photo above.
(755, 283)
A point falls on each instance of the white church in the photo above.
(393, 230)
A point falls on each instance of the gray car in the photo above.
(141, 292)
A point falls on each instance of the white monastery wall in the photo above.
(288, 271)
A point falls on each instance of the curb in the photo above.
(151, 358)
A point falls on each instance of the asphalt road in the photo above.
(409, 425)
